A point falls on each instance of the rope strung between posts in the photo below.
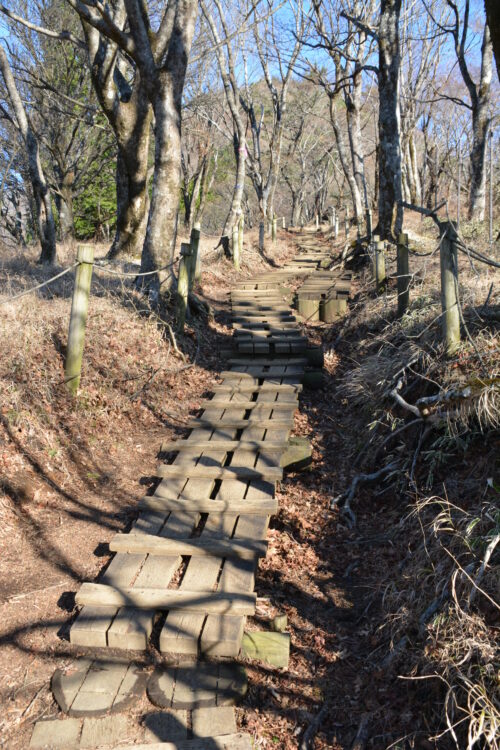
(105, 269)
(97, 266)
(39, 286)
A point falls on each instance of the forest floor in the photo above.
(362, 661)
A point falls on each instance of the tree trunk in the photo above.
(161, 232)
(43, 205)
(389, 208)
(355, 139)
(191, 199)
(415, 186)
(345, 161)
(207, 181)
(433, 172)
(493, 19)
(64, 204)
(132, 129)
(240, 156)
(480, 129)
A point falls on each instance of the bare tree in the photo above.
(493, 20)
(161, 56)
(223, 40)
(263, 168)
(122, 96)
(41, 195)
(349, 47)
(458, 27)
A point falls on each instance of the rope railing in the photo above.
(39, 286)
(97, 266)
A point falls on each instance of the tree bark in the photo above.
(132, 125)
(481, 121)
(128, 111)
(41, 194)
(390, 193)
(345, 162)
(165, 91)
(493, 19)
(353, 107)
(64, 203)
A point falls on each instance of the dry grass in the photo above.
(442, 602)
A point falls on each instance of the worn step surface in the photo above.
(224, 474)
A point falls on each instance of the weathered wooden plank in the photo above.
(243, 388)
(268, 361)
(246, 405)
(227, 445)
(197, 547)
(240, 424)
(233, 506)
(222, 602)
(271, 473)
(188, 633)
(271, 648)
(239, 741)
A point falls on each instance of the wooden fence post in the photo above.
(78, 318)
(284, 223)
(449, 287)
(317, 222)
(336, 227)
(235, 238)
(347, 226)
(403, 273)
(182, 291)
(195, 252)
(261, 236)
(274, 229)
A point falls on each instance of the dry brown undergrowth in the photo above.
(442, 603)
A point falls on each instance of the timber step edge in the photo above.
(207, 602)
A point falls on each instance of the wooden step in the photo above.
(252, 446)
(270, 473)
(217, 602)
(240, 424)
(265, 507)
(238, 741)
(136, 544)
(273, 361)
(264, 388)
(248, 405)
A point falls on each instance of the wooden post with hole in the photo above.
(274, 230)
(449, 287)
(235, 238)
(78, 318)
(195, 252)
(403, 273)
(182, 290)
